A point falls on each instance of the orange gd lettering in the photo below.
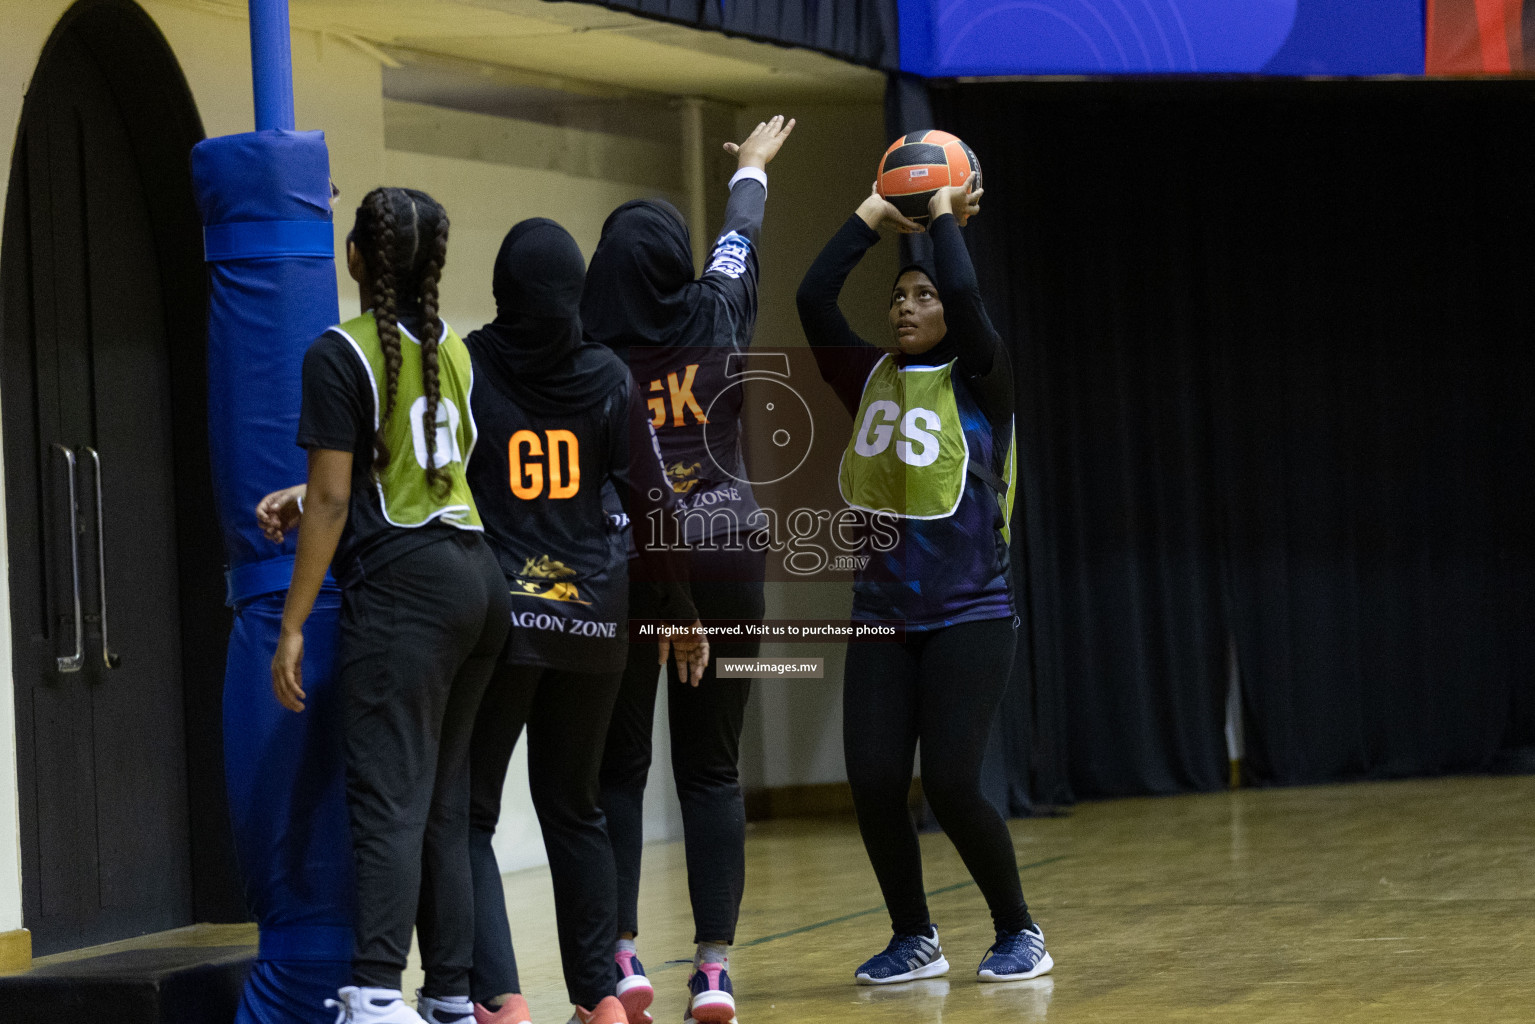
(527, 473)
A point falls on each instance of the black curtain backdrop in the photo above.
(861, 31)
(1273, 342)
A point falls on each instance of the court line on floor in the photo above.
(857, 914)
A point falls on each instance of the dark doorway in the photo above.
(104, 365)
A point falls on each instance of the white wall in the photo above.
(485, 199)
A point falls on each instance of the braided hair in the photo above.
(402, 235)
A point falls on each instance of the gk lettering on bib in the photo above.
(907, 456)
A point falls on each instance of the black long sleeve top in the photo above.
(694, 372)
(845, 359)
(948, 569)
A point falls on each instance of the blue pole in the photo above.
(271, 64)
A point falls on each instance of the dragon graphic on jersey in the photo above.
(542, 577)
(683, 477)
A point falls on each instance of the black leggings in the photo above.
(706, 743)
(567, 717)
(941, 687)
(419, 638)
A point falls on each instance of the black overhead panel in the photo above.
(861, 31)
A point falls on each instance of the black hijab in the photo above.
(533, 350)
(940, 353)
(636, 287)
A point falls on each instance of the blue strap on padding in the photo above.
(306, 942)
(268, 240)
(253, 579)
(243, 582)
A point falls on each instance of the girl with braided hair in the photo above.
(386, 421)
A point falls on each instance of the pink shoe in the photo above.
(513, 1011)
(633, 988)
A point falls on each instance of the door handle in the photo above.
(73, 662)
(109, 659)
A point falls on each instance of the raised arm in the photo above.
(743, 213)
(731, 268)
(982, 356)
(842, 356)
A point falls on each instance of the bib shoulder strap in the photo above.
(988, 476)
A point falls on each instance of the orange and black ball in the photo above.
(918, 164)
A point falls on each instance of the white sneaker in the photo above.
(372, 1006)
(458, 1010)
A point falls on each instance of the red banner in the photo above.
(1480, 37)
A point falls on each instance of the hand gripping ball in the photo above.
(920, 163)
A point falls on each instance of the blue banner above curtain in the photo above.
(957, 38)
(994, 38)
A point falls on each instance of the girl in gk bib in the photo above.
(679, 333)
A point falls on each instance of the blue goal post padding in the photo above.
(265, 204)
(264, 198)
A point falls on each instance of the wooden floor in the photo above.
(1393, 902)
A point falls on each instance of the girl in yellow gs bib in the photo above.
(931, 454)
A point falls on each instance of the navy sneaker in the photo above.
(710, 997)
(1016, 956)
(907, 958)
